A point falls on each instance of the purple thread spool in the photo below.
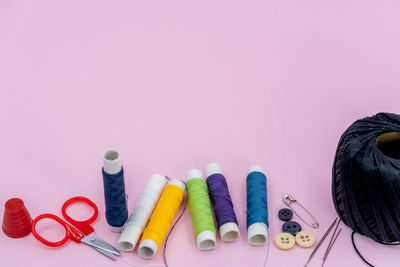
(223, 206)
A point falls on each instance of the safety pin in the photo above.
(289, 200)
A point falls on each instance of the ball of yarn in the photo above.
(366, 177)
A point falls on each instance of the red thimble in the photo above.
(16, 220)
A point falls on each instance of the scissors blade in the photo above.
(106, 253)
(99, 244)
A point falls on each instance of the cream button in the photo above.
(305, 239)
(285, 241)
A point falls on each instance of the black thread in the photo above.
(358, 252)
(366, 178)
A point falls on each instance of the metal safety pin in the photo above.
(289, 200)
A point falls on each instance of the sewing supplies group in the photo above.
(155, 210)
(149, 225)
(291, 230)
(160, 200)
(363, 189)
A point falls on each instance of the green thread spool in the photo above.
(200, 209)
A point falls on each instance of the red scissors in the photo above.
(79, 231)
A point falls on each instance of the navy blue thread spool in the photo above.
(257, 206)
(223, 206)
(114, 191)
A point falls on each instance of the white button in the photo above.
(285, 241)
(305, 239)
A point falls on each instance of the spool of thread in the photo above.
(257, 207)
(366, 181)
(138, 219)
(114, 190)
(162, 218)
(223, 206)
(200, 209)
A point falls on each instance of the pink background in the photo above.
(174, 85)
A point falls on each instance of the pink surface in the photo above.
(174, 85)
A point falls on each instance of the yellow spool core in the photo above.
(162, 218)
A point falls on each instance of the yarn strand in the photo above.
(358, 252)
(267, 255)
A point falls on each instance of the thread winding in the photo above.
(115, 198)
(200, 207)
(257, 206)
(221, 199)
(161, 219)
(366, 179)
(365, 182)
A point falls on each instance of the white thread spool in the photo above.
(112, 165)
(229, 232)
(257, 232)
(205, 240)
(138, 219)
(148, 248)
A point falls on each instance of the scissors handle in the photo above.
(83, 226)
(70, 232)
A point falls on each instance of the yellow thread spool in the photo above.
(162, 218)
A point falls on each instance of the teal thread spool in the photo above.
(200, 209)
(257, 206)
